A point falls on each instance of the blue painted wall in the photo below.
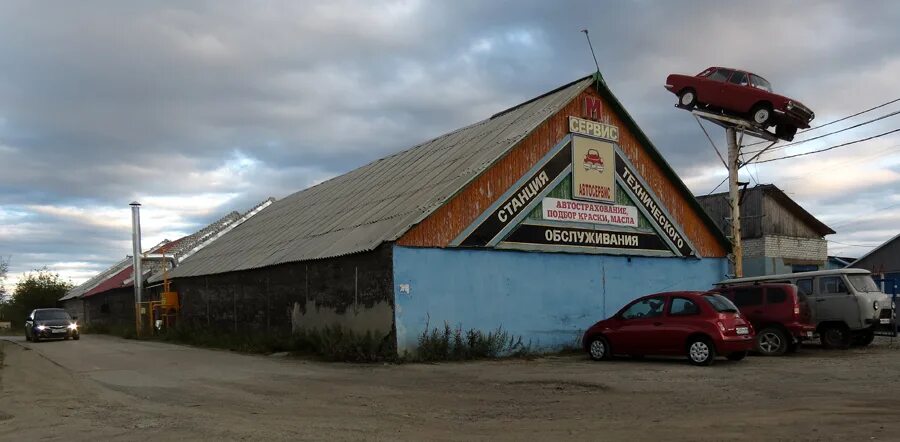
(547, 298)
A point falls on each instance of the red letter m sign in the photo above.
(592, 108)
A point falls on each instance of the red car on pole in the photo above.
(742, 94)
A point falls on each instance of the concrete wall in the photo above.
(75, 308)
(547, 298)
(353, 291)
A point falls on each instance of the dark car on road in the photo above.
(742, 94)
(698, 325)
(780, 314)
(50, 323)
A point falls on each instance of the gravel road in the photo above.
(105, 388)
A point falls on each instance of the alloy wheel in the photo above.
(770, 343)
(598, 349)
(699, 351)
(687, 98)
(761, 116)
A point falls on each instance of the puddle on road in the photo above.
(561, 385)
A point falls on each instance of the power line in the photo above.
(717, 186)
(847, 223)
(880, 153)
(854, 115)
(832, 133)
(828, 148)
(852, 245)
(841, 119)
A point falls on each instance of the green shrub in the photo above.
(449, 344)
(122, 331)
(329, 343)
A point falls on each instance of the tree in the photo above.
(39, 289)
(4, 299)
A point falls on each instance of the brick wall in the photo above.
(812, 249)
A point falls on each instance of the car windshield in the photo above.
(706, 72)
(863, 283)
(720, 303)
(721, 75)
(761, 83)
(51, 314)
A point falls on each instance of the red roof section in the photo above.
(118, 280)
(113, 282)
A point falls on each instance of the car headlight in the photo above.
(73, 326)
(875, 305)
(42, 327)
(790, 105)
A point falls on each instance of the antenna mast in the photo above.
(588, 37)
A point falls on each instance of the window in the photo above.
(683, 307)
(720, 303)
(804, 286)
(721, 75)
(739, 78)
(776, 296)
(706, 72)
(51, 314)
(832, 285)
(745, 297)
(645, 308)
(863, 283)
(761, 83)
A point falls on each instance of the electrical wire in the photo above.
(717, 186)
(830, 133)
(841, 119)
(887, 151)
(852, 245)
(827, 148)
(847, 223)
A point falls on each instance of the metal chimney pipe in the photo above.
(136, 263)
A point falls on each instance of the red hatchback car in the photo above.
(743, 94)
(696, 324)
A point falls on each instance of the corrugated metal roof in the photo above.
(96, 280)
(378, 202)
(115, 281)
(120, 275)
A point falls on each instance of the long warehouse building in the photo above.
(541, 219)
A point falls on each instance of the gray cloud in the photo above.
(105, 102)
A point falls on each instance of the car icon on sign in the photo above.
(592, 160)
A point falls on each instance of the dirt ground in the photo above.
(105, 388)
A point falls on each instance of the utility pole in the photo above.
(734, 200)
(136, 262)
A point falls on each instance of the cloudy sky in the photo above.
(199, 108)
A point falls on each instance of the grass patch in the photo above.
(454, 344)
(122, 331)
(328, 343)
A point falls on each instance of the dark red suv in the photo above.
(779, 313)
